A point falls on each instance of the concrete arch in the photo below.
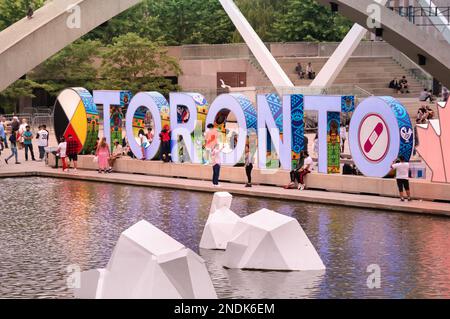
(401, 34)
(29, 42)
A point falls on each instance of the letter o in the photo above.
(246, 117)
(153, 101)
(380, 132)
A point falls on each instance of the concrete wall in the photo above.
(336, 183)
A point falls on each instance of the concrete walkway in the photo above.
(28, 169)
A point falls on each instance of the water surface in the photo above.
(48, 224)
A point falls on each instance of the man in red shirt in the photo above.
(72, 151)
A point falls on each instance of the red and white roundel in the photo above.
(374, 138)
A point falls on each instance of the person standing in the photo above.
(103, 155)
(2, 137)
(61, 152)
(402, 175)
(13, 141)
(28, 143)
(343, 136)
(144, 143)
(211, 138)
(248, 166)
(72, 151)
(42, 137)
(216, 161)
(165, 144)
(445, 94)
(22, 130)
(3, 123)
(307, 167)
(316, 145)
(15, 125)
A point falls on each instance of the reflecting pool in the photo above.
(47, 225)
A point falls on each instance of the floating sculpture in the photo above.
(267, 240)
(148, 264)
(220, 224)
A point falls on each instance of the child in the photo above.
(402, 175)
(62, 147)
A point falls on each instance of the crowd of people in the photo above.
(21, 138)
(17, 136)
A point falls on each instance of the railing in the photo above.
(311, 90)
(39, 120)
(412, 13)
(413, 69)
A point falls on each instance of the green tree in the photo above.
(12, 11)
(73, 66)
(172, 22)
(137, 64)
(306, 20)
(261, 14)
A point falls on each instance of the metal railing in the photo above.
(412, 13)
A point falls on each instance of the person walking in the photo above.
(13, 141)
(216, 161)
(42, 137)
(103, 155)
(248, 166)
(61, 152)
(402, 175)
(28, 143)
(307, 167)
(72, 151)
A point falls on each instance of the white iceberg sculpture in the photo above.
(267, 240)
(220, 224)
(148, 264)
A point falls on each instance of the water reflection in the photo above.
(49, 224)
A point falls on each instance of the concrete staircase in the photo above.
(372, 74)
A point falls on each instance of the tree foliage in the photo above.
(12, 11)
(306, 20)
(73, 66)
(137, 64)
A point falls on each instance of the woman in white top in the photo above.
(402, 175)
